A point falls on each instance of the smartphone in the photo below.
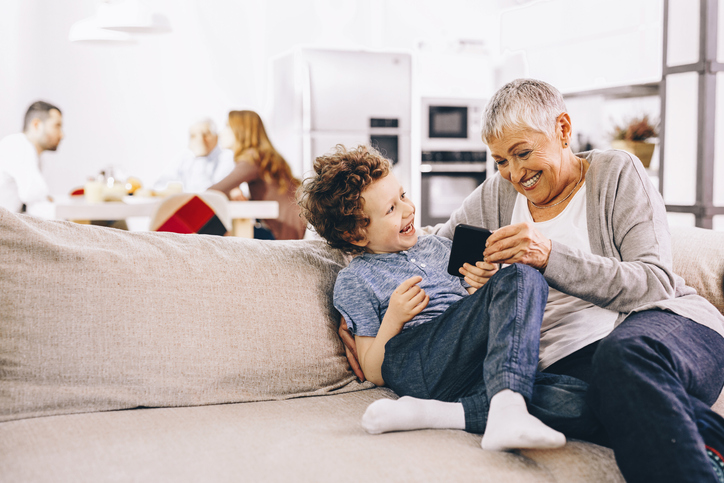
(468, 246)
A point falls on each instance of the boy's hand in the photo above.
(406, 301)
(479, 274)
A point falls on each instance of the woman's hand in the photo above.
(478, 275)
(519, 243)
(350, 347)
(236, 195)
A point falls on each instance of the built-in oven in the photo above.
(453, 158)
(444, 185)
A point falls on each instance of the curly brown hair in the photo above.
(331, 199)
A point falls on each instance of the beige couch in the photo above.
(152, 357)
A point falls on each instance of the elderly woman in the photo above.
(617, 317)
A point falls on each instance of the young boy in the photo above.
(462, 352)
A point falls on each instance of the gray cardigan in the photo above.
(630, 269)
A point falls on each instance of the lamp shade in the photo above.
(131, 16)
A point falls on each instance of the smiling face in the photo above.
(201, 139)
(540, 168)
(392, 215)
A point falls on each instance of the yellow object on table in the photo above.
(242, 227)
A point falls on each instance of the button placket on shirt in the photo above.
(414, 260)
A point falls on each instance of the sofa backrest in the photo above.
(96, 319)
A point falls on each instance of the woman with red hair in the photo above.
(265, 171)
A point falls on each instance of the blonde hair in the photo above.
(251, 138)
(521, 104)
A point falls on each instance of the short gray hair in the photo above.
(523, 103)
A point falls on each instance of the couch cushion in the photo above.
(316, 439)
(699, 258)
(95, 319)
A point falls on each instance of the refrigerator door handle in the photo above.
(306, 115)
(306, 98)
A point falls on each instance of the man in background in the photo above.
(22, 187)
(204, 164)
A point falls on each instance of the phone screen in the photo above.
(468, 247)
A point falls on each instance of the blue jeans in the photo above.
(654, 380)
(483, 344)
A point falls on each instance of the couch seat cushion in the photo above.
(315, 439)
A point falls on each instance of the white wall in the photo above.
(130, 106)
(579, 45)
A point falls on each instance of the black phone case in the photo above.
(468, 246)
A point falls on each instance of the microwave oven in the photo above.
(452, 124)
(447, 122)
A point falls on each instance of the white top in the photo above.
(569, 323)
(20, 178)
(197, 173)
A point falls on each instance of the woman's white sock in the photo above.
(510, 426)
(409, 413)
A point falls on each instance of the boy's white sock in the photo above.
(409, 413)
(510, 426)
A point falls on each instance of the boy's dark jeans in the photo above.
(485, 343)
(654, 380)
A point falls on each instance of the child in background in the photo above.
(462, 352)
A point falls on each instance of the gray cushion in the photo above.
(95, 319)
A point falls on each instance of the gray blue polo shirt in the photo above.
(363, 289)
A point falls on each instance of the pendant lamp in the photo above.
(132, 16)
(115, 21)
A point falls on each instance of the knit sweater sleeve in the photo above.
(630, 264)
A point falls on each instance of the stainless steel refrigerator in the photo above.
(320, 98)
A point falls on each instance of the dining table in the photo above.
(242, 213)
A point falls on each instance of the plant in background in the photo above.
(636, 129)
(632, 136)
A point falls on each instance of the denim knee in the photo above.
(528, 271)
(614, 353)
(531, 277)
(628, 358)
